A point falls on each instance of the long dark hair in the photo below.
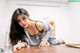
(16, 31)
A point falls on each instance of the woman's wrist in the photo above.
(25, 44)
(46, 42)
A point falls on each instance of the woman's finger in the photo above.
(15, 47)
(19, 46)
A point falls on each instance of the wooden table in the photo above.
(49, 49)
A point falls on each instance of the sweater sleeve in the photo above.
(47, 31)
(24, 40)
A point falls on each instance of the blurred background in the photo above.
(65, 12)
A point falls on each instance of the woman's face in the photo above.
(22, 20)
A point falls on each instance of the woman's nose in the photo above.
(22, 22)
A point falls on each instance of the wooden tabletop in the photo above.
(49, 49)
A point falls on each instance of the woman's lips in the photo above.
(24, 25)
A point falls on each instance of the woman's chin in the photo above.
(24, 27)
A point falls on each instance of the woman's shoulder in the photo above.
(45, 23)
(39, 25)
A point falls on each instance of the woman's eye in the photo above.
(23, 18)
(18, 21)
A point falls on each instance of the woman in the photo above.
(24, 31)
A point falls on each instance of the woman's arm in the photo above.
(52, 23)
(21, 43)
(47, 32)
(46, 26)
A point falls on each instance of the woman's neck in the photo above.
(30, 25)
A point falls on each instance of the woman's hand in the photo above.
(18, 46)
(44, 44)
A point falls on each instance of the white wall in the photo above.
(75, 21)
(2, 22)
